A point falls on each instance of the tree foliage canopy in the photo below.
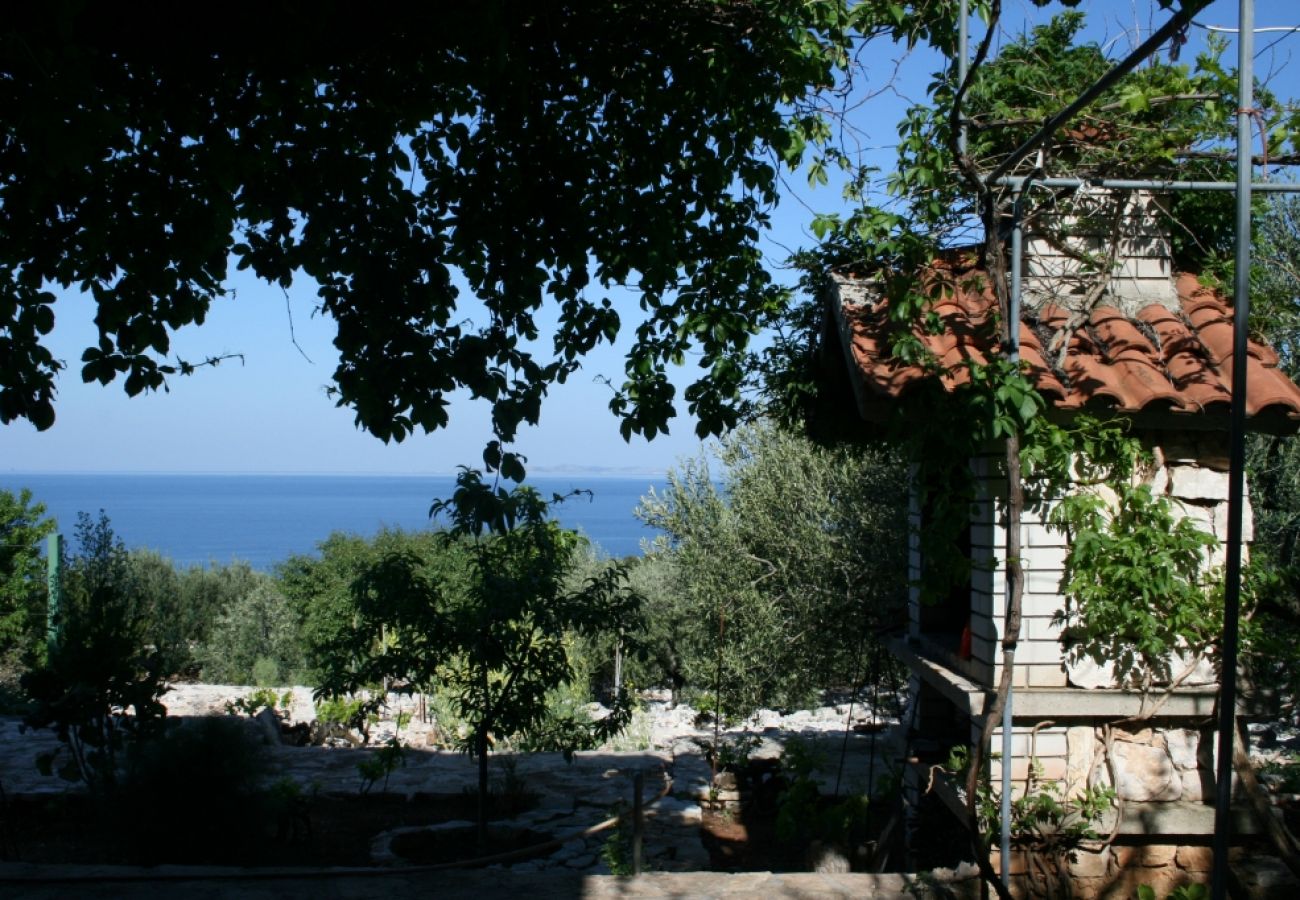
(469, 188)
(441, 175)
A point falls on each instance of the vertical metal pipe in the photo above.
(54, 593)
(1236, 454)
(1017, 270)
(963, 63)
(1013, 354)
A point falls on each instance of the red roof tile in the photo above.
(1161, 361)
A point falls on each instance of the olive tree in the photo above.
(787, 560)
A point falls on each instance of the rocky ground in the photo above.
(665, 744)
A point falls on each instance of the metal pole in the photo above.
(54, 593)
(1137, 184)
(963, 63)
(1236, 455)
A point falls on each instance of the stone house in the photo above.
(1139, 342)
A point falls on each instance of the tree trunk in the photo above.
(618, 667)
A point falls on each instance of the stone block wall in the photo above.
(1048, 747)
(1161, 764)
(1169, 762)
(1039, 656)
(914, 560)
(1115, 871)
(1158, 764)
(1055, 267)
(1190, 469)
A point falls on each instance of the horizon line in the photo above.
(539, 471)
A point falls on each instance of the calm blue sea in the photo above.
(262, 519)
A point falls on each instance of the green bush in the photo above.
(192, 795)
(208, 591)
(157, 591)
(100, 687)
(256, 640)
(320, 592)
(263, 698)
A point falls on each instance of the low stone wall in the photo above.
(1156, 764)
(1114, 871)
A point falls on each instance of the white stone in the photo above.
(1220, 514)
(1183, 744)
(1041, 536)
(1202, 674)
(1192, 790)
(1079, 758)
(1197, 483)
(827, 859)
(678, 810)
(1045, 559)
(1041, 605)
(1088, 863)
(1087, 673)
(1040, 651)
(1145, 773)
(1049, 676)
(269, 724)
(1041, 628)
(1159, 481)
(1100, 776)
(1043, 583)
(1202, 516)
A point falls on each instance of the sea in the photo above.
(264, 519)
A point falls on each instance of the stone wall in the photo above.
(1150, 765)
(1066, 255)
(1114, 871)
(1164, 763)
(1190, 469)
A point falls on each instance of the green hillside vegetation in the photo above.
(798, 549)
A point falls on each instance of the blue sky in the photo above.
(270, 413)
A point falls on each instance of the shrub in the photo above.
(779, 575)
(100, 687)
(263, 698)
(207, 592)
(192, 794)
(254, 641)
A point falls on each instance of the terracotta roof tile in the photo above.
(1178, 361)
